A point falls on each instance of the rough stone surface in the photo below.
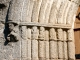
(70, 35)
(47, 35)
(60, 50)
(53, 34)
(47, 49)
(42, 33)
(24, 42)
(65, 50)
(53, 50)
(36, 9)
(34, 49)
(60, 34)
(71, 50)
(37, 42)
(29, 44)
(41, 49)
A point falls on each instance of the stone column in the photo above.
(65, 49)
(35, 32)
(24, 42)
(60, 43)
(53, 45)
(41, 44)
(34, 43)
(47, 44)
(29, 43)
(42, 51)
(71, 46)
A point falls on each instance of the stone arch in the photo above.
(46, 30)
(60, 12)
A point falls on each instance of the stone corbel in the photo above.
(13, 35)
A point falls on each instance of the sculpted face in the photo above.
(11, 26)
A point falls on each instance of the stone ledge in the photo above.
(65, 26)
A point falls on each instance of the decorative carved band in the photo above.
(64, 26)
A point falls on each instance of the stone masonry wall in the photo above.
(37, 29)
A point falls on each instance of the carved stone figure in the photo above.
(13, 36)
(41, 33)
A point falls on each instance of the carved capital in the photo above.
(34, 33)
(53, 34)
(42, 33)
(70, 35)
(60, 34)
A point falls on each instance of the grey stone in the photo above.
(14, 32)
(38, 42)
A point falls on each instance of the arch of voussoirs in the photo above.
(46, 38)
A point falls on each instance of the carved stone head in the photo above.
(12, 25)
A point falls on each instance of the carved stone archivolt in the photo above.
(45, 29)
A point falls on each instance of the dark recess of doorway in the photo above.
(77, 56)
